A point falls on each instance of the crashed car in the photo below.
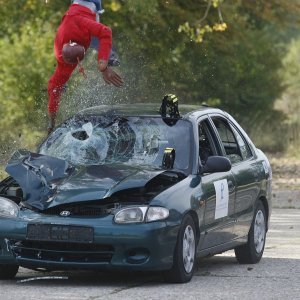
(127, 187)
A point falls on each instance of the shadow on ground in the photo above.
(217, 266)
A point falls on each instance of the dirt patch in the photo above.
(286, 181)
(286, 172)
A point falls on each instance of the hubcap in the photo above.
(259, 231)
(188, 249)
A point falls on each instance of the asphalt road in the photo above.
(277, 276)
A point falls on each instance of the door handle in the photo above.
(231, 186)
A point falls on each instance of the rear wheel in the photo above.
(185, 253)
(252, 252)
(8, 271)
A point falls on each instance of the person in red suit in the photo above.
(79, 24)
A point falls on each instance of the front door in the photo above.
(218, 193)
(244, 170)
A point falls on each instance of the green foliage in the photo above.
(26, 64)
(15, 13)
(201, 27)
(291, 71)
(290, 100)
(27, 29)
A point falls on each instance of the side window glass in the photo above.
(228, 140)
(206, 147)
(244, 147)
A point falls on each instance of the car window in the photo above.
(228, 140)
(206, 145)
(244, 147)
(115, 139)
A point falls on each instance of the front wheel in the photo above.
(185, 253)
(8, 271)
(252, 252)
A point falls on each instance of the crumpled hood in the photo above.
(48, 181)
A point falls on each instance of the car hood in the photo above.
(48, 181)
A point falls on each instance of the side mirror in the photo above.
(215, 164)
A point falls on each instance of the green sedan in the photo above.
(128, 187)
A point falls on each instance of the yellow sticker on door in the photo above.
(222, 198)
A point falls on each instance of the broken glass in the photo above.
(97, 140)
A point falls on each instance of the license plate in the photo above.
(60, 233)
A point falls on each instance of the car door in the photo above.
(218, 194)
(244, 170)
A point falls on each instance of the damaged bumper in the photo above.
(134, 246)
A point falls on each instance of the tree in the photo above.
(290, 100)
(27, 29)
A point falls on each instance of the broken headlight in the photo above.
(139, 214)
(8, 208)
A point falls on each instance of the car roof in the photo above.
(187, 111)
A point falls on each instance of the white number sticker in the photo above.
(222, 198)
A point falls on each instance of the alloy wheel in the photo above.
(259, 231)
(188, 249)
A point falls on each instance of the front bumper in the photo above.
(146, 246)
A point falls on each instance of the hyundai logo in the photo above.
(65, 213)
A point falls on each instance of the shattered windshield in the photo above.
(110, 139)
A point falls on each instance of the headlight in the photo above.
(8, 208)
(131, 214)
(137, 214)
(156, 213)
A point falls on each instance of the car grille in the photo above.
(62, 252)
(78, 211)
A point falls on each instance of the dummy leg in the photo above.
(56, 84)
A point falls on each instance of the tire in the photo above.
(251, 253)
(185, 253)
(8, 271)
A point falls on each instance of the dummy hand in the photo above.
(111, 77)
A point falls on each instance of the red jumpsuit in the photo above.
(78, 25)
